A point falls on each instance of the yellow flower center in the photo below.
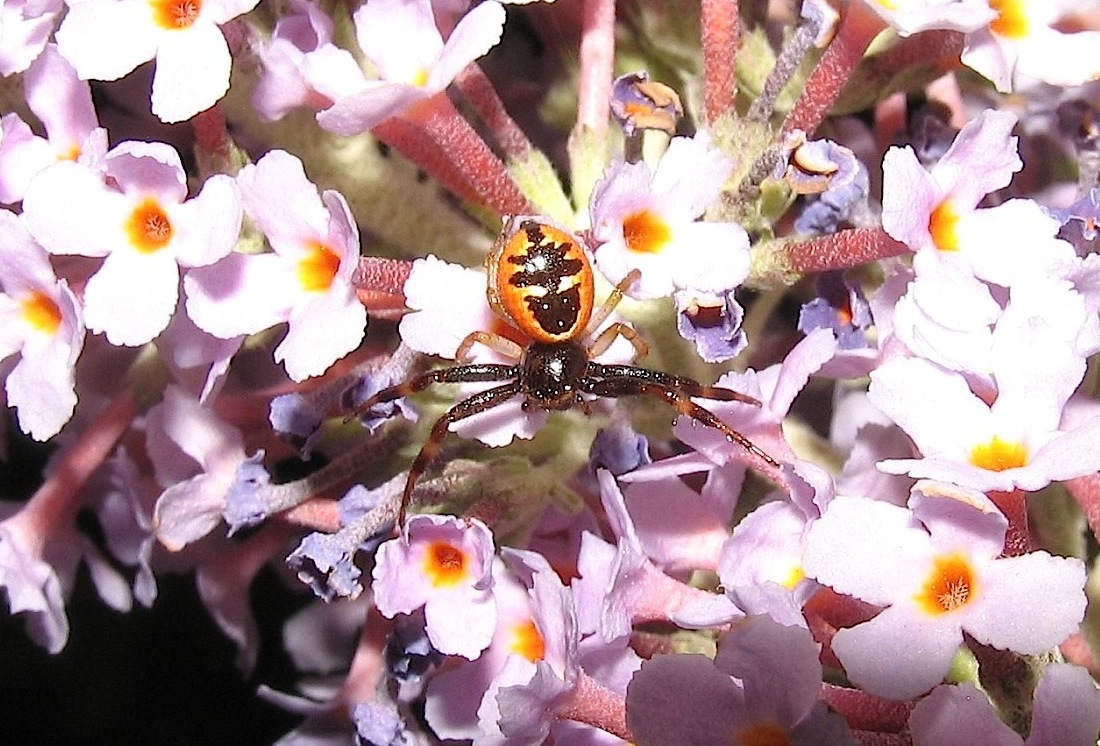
(445, 564)
(40, 312)
(317, 269)
(950, 585)
(175, 14)
(69, 153)
(148, 227)
(645, 232)
(998, 455)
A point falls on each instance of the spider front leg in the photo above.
(637, 386)
(604, 339)
(472, 373)
(607, 336)
(493, 341)
(688, 386)
(468, 407)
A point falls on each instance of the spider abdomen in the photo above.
(540, 281)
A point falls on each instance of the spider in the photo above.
(540, 282)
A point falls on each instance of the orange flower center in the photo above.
(950, 585)
(528, 642)
(40, 312)
(175, 14)
(942, 224)
(445, 564)
(1011, 21)
(762, 734)
(148, 227)
(645, 232)
(318, 268)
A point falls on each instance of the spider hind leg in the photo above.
(678, 397)
(688, 386)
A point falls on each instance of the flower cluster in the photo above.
(865, 276)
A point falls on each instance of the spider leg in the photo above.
(673, 395)
(688, 386)
(492, 340)
(613, 300)
(468, 407)
(474, 372)
(604, 339)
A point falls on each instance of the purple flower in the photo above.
(326, 563)
(763, 686)
(712, 322)
(937, 571)
(246, 502)
(443, 565)
(305, 281)
(841, 307)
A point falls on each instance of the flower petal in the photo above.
(192, 72)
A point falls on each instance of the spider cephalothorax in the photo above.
(540, 282)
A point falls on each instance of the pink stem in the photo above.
(939, 47)
(1077, 650)
(211, 137)
(368, 665)
(436, 138)
(479, 91)
(1014, 506)
(1086, 491)
(597, 57)
(864, 711)
(721, 32)
(857, 28)
(380, 284)
(841, 250)
(317, 513)
(594, 704)
(55, 502)
(872, 738)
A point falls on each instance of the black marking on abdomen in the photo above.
(556, 313)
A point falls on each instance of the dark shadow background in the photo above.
(163, 675)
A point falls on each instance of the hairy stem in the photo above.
(721, 37)
(858, 28)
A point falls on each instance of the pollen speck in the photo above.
(998, 455)
(645, 232)
(317, 269)
(40, 312)
(950, 585)
(175, 14)
(445, 564)
(528, 642)
(148, 227)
